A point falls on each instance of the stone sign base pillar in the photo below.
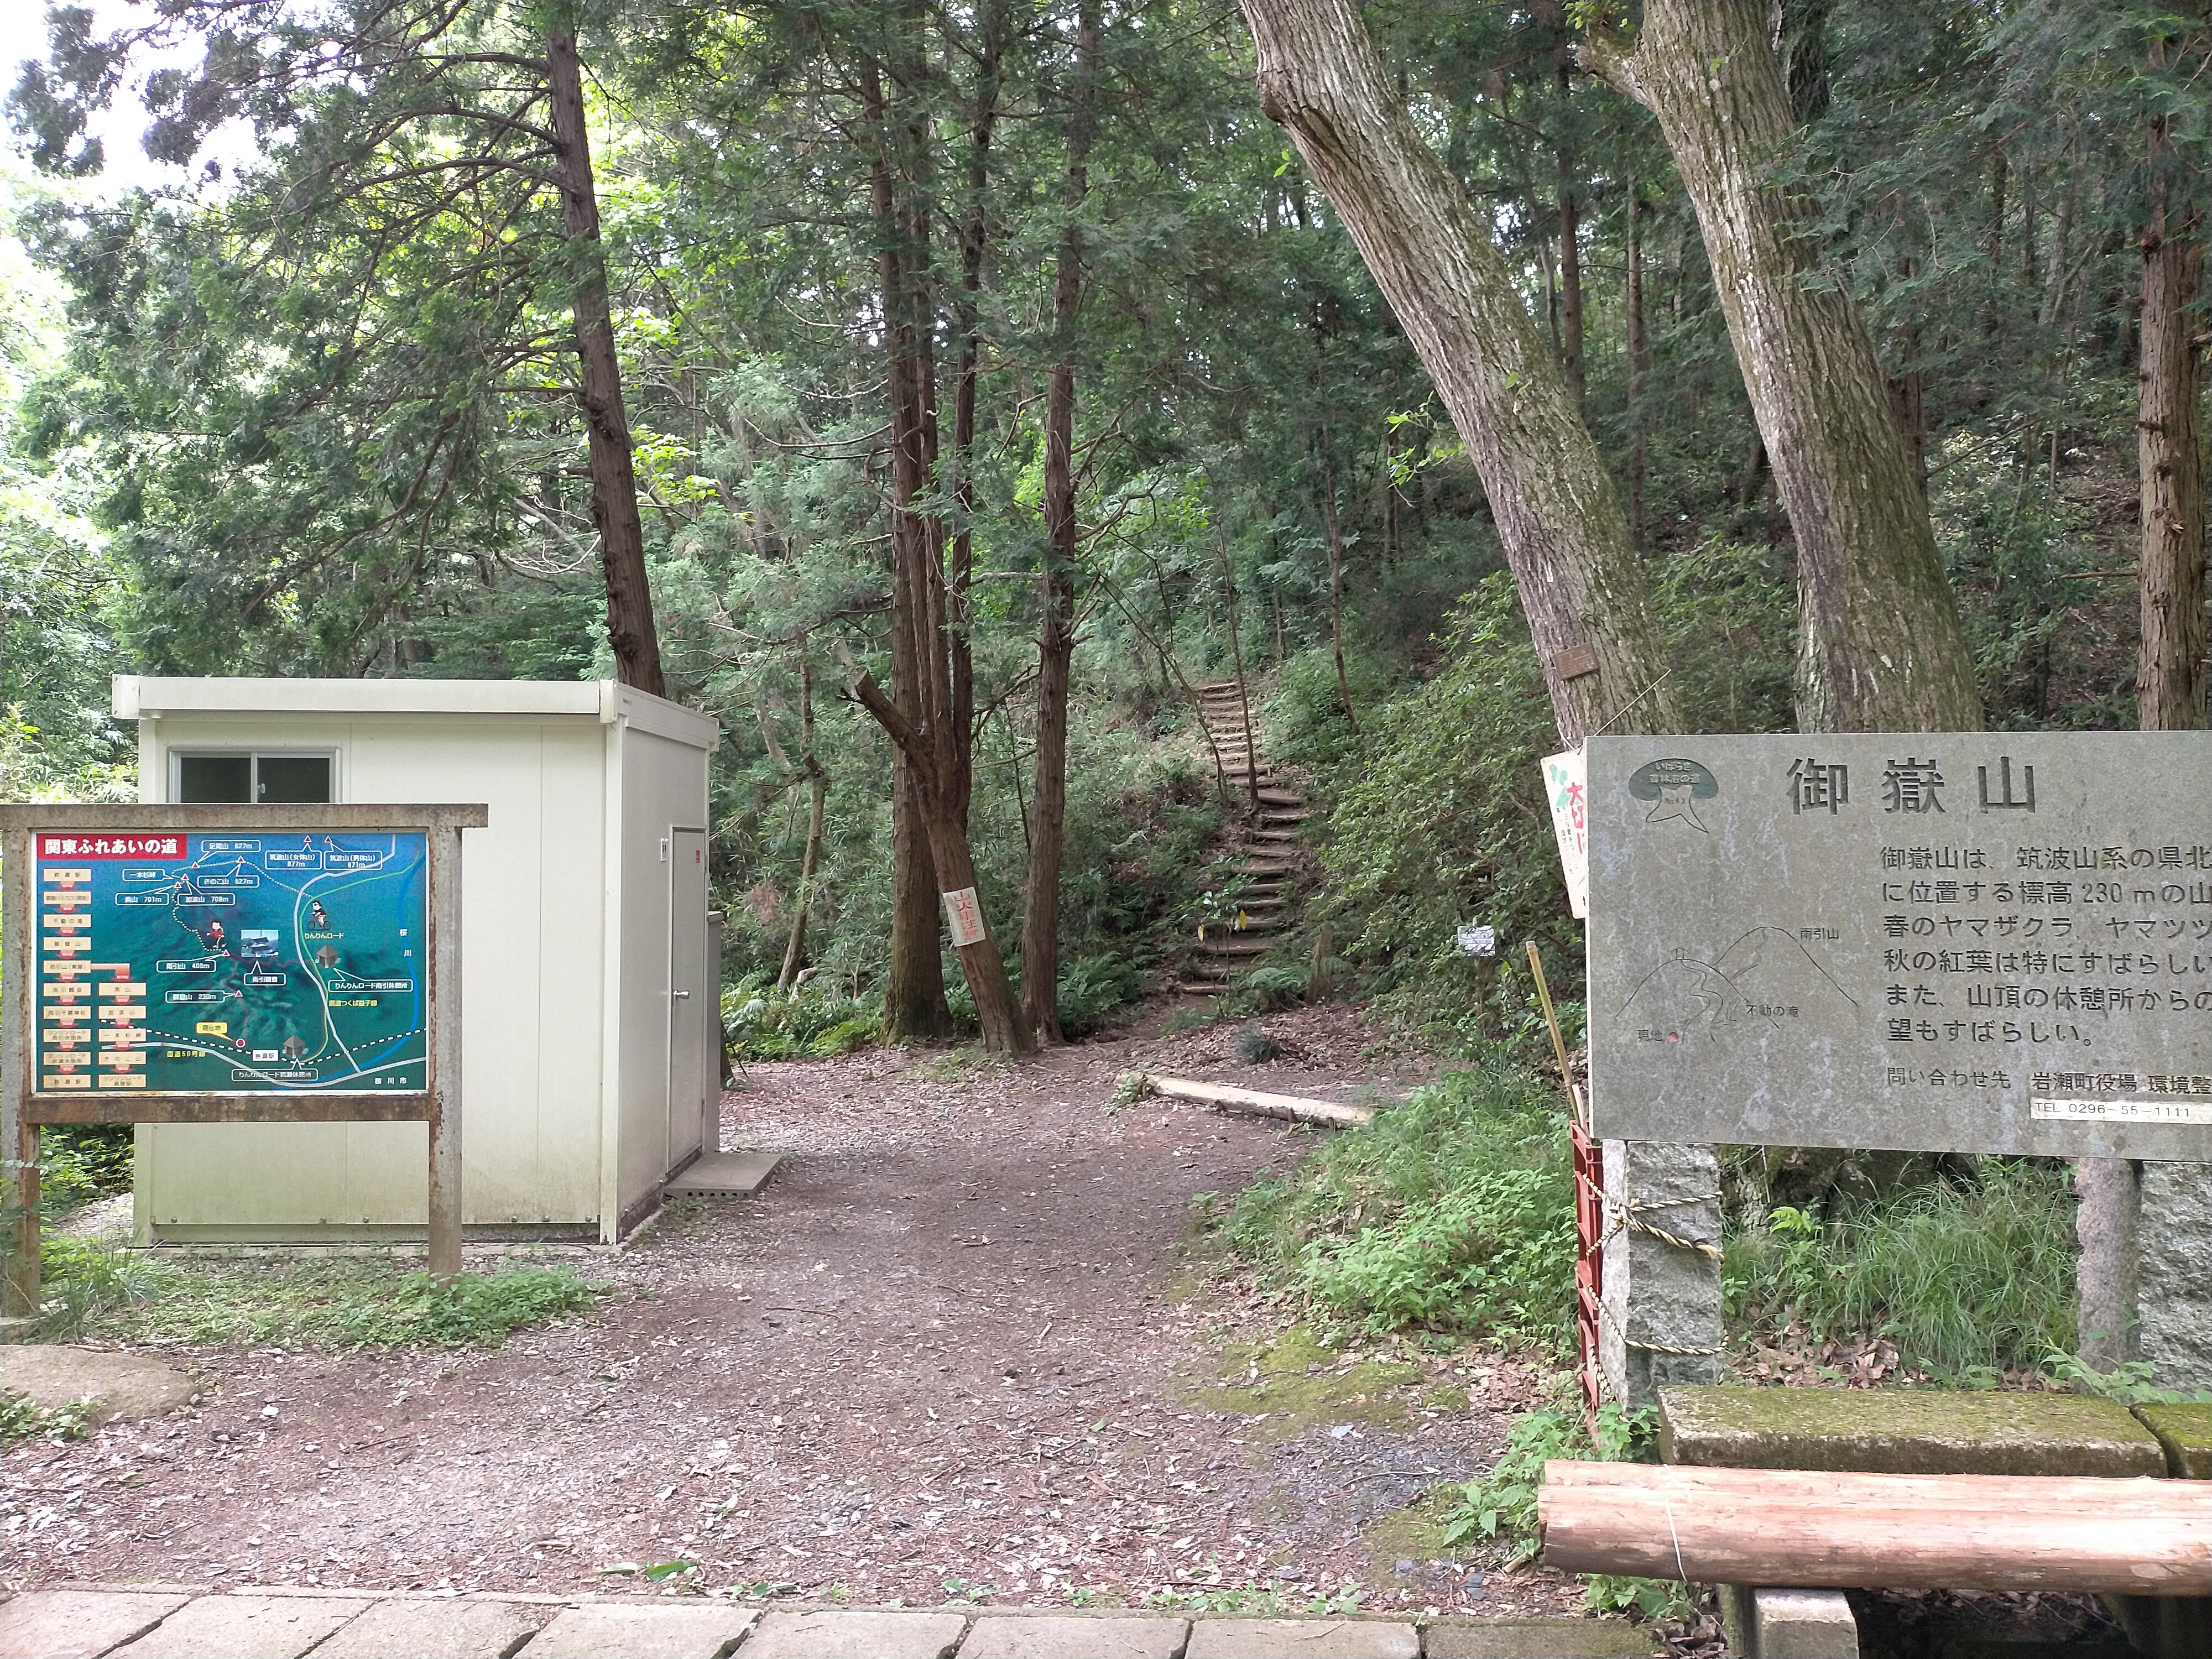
(1661, 1320)
(2173, 1274)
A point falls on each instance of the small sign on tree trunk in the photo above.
(965, 912)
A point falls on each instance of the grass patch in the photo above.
(1453, 1211)
(1970, 1280)
(326, 1304)
(1297, 1381)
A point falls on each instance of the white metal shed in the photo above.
(590, 1024)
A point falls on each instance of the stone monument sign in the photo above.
(1995, 942)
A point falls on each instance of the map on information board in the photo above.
(275, 961)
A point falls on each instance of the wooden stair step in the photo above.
(1236, 945)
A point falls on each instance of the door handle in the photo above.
(679, 994)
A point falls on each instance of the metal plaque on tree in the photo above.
(1993, 942)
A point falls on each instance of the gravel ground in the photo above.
(952, 1352)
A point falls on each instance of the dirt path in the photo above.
(951, 1351)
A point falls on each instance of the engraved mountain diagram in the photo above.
(1767, 979)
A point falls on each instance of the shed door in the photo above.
(692, 997)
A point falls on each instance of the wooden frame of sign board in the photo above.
(24, 1104)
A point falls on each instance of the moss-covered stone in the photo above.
(1538, 1638)
(2186, 1431)
(1905, 1432)
(1297, 1384)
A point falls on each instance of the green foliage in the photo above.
(1440, 819)
(348, 1304)
(79, 1163)
(21, 1420)
(1501, 1506)
(762, 1023)
(82, 1280)
(1967, 1280)
(2132, 1382)
(1453, 1210)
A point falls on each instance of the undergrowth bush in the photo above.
(79, 1163)
(1454, 1211)
(762, 1023)
(1966, 1277)
(1439, 818)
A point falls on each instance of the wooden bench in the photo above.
(1829, 1489)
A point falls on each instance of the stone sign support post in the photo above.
(1661, 1315)
(1977, 942)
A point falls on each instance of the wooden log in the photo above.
(1335, 1114)
(2131, 1495)
(1706, 1535)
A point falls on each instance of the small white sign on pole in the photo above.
(965, 912)
(1566, 786)
(1477, 938)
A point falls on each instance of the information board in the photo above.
(278, 960)
(1984, 942)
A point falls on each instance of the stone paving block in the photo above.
(839, 1633)
(127, 1385)
(79, 1624)
(1063, 1636)
(613, 1630)
(246, 1627)
(1302, 1639)
(1905, 1432)
(412, 1628)
(1540, 1638)
(1802, 1624)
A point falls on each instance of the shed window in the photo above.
(270, 780)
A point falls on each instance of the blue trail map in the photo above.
(278, 960)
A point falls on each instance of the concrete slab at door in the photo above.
(247, 1627)
(1062, 1636)
(855, 1635)
(1540, 1638)
(604, 1631)
(444, 1629)
(1302, 1639)
(78, 1624)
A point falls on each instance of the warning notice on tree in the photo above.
(285, 960)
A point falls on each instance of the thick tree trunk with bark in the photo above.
(1057, 586)
(931, 741)
(630, 629)
(1556, 512)
(2170, 672)
(1639, 365)
(1895, 653)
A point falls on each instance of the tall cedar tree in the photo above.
(920, 715)
(1056, 584)
(1893, 652)
(1556, 509)
(378, 91)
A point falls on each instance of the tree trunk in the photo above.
(933, 745)
(1057, 586)
(1570, 230)
(1335, 581)
(630, 630)
(795, 949)
(1888, 627)
(1556, 512)
(2170, 674)
(975, 233)
(1639, 366)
